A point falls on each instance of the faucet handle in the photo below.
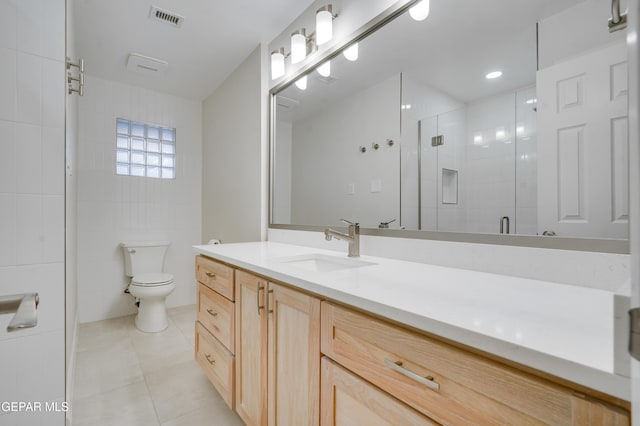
(349, 223)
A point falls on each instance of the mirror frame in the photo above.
(531, 241)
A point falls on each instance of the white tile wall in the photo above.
(7, 229)
(112, 208)
(29, 88)
(8, 158)
(8, 13)
(29, 158)
(29, 26)
(7, 84)
(32, 211)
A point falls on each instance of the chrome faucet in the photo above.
(353, 237)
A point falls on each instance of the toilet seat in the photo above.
(152, 280)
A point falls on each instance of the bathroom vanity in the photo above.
(288, 333)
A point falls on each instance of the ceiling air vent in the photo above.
(145, 64)
(326, 80)
(165, 16)
(285, 102)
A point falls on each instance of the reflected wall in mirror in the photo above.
(541, 149)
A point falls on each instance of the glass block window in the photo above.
(145, 150)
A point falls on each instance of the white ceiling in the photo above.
(215, 37)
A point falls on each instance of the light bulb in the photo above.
(298, 46)
(325, 69)
(277, 64)
(351, 52)
(324, 25)
(420, 11)
(302, 83)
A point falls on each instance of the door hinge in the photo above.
(634, 335)
(437, 140)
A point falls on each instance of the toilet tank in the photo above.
(144, 257)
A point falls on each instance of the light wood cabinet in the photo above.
(448, 384)
(215, 275)
(216, 361)
(251, 349)
(294, 357)
(277, 354)
(261, 343)
(348, 400)
(216, 313)
(215, 325)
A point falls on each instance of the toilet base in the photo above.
(152, 312)
(152, 315)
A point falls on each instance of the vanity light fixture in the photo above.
(301, 45)
(324, 25)
(494, 74)
(301, 83)
(325, 69)
(277, 63)
(351, 52)
(420, 11)
(298, 46)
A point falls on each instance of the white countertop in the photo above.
(567, 331)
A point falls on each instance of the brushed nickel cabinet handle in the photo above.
(428, 381)
(213, 314)
(269, 310)
(210, 274)
(259, 289)
(208, 357)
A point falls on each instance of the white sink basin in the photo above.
(317, 262)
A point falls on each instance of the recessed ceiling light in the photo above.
(494, 74)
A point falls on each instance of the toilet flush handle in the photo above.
(132, 251)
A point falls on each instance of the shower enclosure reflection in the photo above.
(476, 164)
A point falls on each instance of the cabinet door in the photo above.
(349, 400)
(294, 357)
(251, 349)
(592, 412)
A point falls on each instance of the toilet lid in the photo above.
(152, 279)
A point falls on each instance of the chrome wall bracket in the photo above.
(25, 307)
(79, 79)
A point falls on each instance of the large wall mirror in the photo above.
(492, 117)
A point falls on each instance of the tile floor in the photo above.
(126, 377)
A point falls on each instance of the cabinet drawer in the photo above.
(349, 400)
(216, 313)
(215, 275)
(449, 385)
(217, 362)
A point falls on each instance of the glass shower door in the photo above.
(442, 203)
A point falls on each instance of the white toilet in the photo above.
(143, 262)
